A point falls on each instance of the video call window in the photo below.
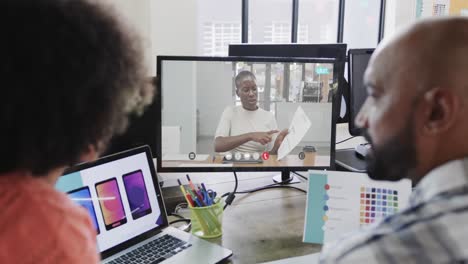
(207, 105)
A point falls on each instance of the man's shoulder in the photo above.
(430, 232)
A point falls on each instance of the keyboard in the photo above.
(155, 251)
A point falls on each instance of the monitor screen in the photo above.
(357, 64)
(220, 114)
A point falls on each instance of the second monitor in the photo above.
(220, 114)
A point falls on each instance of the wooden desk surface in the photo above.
(267, 225)
(263, 226)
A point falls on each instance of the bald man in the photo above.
(416, 117)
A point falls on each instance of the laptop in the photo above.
(123, 198)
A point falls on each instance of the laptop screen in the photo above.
(118, 194)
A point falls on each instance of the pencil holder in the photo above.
(207, 222)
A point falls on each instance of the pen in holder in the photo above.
(207, 221)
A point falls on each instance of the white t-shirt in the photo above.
(235, 121)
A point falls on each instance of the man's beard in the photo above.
(395, 159)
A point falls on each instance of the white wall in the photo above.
(137, 14)
(361, 24)
(179, 101)
(173, 28)
(399, 14)
(168, 27)
(214, 84)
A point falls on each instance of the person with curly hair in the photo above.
(70, 73)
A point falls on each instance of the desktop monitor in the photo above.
(203, 113)
(335, 50)
(352, 159)
(357, 64)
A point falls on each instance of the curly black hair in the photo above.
(70, 73)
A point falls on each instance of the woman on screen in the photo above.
(247, 128)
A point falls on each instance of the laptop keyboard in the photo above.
(155, 251)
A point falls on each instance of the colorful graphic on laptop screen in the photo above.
(82, 196)
(137, 194)
(120, 198)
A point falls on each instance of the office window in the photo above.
(270, 21)
(303, 33)
(318, 21)
(277, 32)
(361, 23)
(219, 24)
(218, 35)
(400, 13)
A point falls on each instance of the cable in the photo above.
(176, 215)
(180, 220)
(344, 140)
(284, 184)
(272, 187)
(231, 196)
(300, 175)
(180, 206)
(255, 189)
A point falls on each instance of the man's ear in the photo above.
(441, 109)
(237, 92)
(90, 154)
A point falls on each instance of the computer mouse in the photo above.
(362, 149)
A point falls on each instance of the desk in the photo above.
(267, 225)
(311, 159)
(262, 226)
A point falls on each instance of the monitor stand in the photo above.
(286, 177)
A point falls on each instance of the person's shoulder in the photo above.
(54, 209)
(230, 109)
(68, 226)
(385, 241)
(234, 110)
(228, 112)
(40, 213)
(362, 245)
(264, 113)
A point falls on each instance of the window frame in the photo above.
(295, 21)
